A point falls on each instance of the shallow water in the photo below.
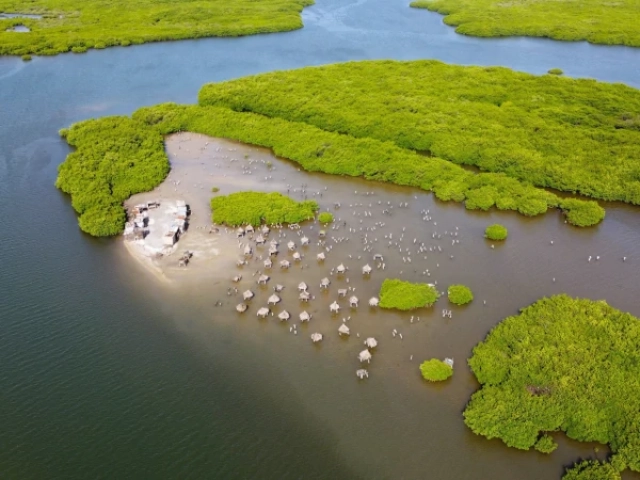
(105, 375)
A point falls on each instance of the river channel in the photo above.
(108, 374)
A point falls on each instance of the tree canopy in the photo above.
(67, 25)
(562, 364)
(435, 370)
(459, 294)
(395, 293)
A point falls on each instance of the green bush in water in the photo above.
(555, 71)
(325, 217)
(496, 232)
(459, 294)
(435, 370)
(395, 293)
(255, 208)
(562, 364)
(545, 444)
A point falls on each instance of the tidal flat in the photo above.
(394, 402)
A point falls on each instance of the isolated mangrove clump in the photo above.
(325, 217)
(459, 294)
(435, 370)
(496, 232)
(255, 208)
(395, 293)
(562, 364)
(555, 71)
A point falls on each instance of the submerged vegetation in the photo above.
(459, 294)
(255, 208)
(395, 293)
(78, 26)
(435, 370)
(562, 364)
(525, 133)
(609, 23)
(496, 232)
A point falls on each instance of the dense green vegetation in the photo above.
(325, 217)
(395, 293)
(459, 294)
(435, 370)
(555, 71)
(562, 364)
(255, 208)
(573, 135)
(114, 159)
(77, 26)
(496, 232)
(610, 23)
(524, 132)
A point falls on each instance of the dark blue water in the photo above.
(105, 376)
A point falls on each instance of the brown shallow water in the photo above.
(392, 425)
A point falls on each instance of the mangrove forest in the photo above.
(608, 23)
(562, 364)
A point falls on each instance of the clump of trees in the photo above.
(115, 157)
(255, 208)
(395, 293)
(325, 217)
(616, 23)
(71, 26)
(459, 294)
(496, 232)
(435, 370)
(555, 71)
(562, 364)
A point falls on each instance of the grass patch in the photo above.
(562, 364)
(403, 295)
(77, 26)
(608, 23)
(255, 208)
(496, 232)
(435, 370)
(459, 294)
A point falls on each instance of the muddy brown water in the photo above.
(392, 425)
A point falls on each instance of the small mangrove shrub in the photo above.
(325, 217)
(435, 370)
(496, 232)
(215, 189)
(545, 444)
(26, 58)
(255, 208)
(395, 293)
(459, 294)
(555, 71)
